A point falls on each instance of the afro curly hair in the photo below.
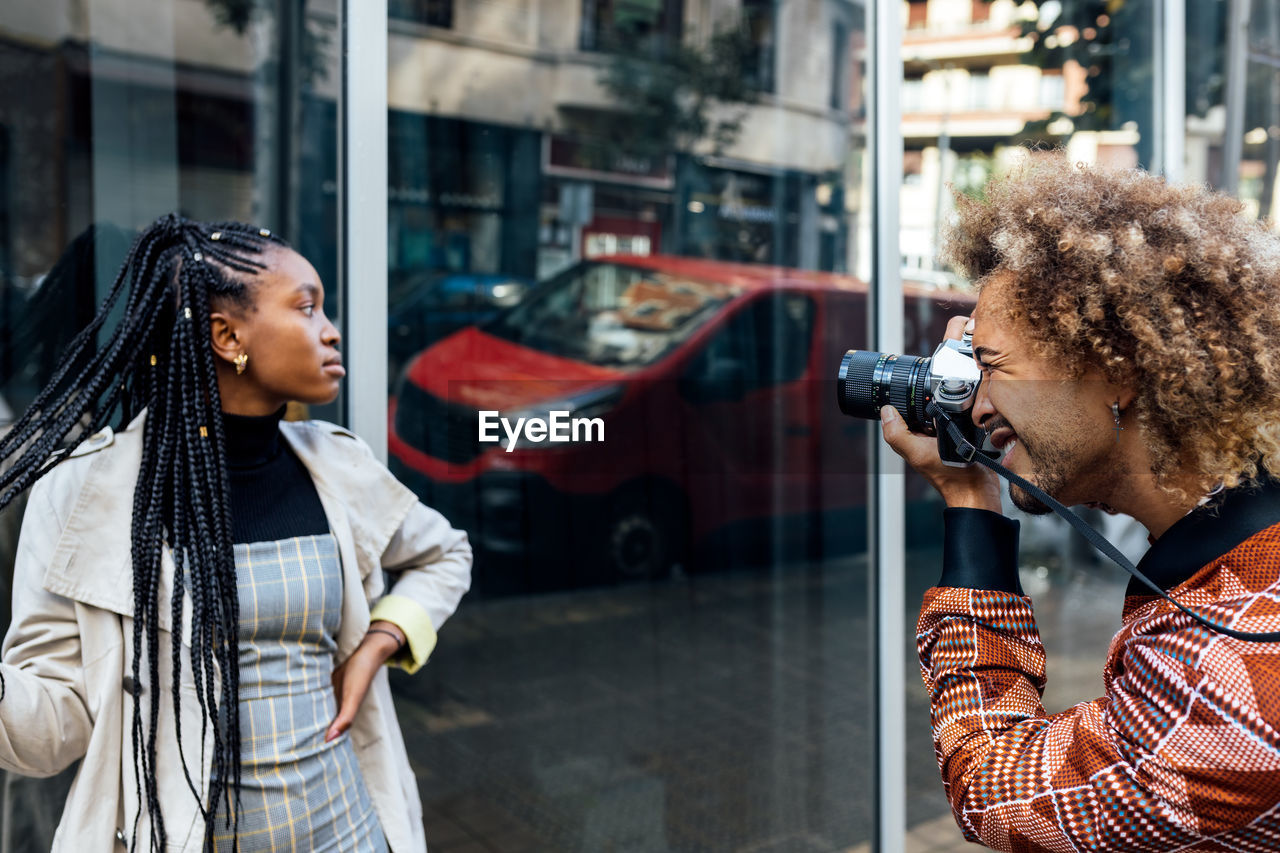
(1162, 287)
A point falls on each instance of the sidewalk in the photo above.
(726, 712)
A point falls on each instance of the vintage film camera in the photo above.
(949, 379)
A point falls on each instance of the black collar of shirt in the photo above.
(252, 440)
(1206, 533)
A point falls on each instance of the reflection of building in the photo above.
(115, 115)
(496, 99)
(489, 168)
(462, 195)
(1233, 102)
(967, 95)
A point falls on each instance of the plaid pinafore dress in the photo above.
(297, 792)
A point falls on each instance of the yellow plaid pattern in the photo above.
(297, 792)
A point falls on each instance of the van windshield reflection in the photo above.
(610, 314)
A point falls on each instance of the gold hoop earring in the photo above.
(241, 362)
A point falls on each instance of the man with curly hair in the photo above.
(1128, 332)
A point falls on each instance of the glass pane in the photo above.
(665, 646)
(112, 114)
(1233, 100)
(985, 78)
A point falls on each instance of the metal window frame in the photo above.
(1237, 62)
(1170, 64)
(886, 492)
(362, 211)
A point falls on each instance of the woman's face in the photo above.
(292, 347)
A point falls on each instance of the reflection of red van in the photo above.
(715, 383)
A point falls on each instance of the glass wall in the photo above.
(110, 118)
(1233, 100)
(112, 114)
(647, 216)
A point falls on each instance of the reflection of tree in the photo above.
(971, 172)
(233, 13)
(673, 96)
(313, 39)
(1112, 40)
(286, 76)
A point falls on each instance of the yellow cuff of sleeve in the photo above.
(406, 615)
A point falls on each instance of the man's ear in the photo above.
(1125, 397)
(224, 335)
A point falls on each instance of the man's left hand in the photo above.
(972, 486)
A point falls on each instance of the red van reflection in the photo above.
(714, 387)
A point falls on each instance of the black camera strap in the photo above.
(970, 453)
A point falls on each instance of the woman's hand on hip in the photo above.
(352, 678)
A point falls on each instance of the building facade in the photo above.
(504, 102)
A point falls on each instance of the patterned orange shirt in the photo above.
(1183, 751)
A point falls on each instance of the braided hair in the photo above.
(159, 358)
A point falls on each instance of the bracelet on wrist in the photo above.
(400, 642)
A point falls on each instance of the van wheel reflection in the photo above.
(644, 538)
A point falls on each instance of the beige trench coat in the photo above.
(69, 649)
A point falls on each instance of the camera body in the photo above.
(949, 379)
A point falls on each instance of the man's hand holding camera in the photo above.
(972, 486)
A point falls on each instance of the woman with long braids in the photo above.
(199, 610)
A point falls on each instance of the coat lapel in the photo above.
(355, 605)
(93, 559)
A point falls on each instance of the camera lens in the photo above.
(869, 380)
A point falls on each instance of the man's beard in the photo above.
(1050, 475)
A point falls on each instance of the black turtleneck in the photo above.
(272, 494)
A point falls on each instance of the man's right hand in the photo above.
(973, 486)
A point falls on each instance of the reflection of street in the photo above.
(726, 712)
